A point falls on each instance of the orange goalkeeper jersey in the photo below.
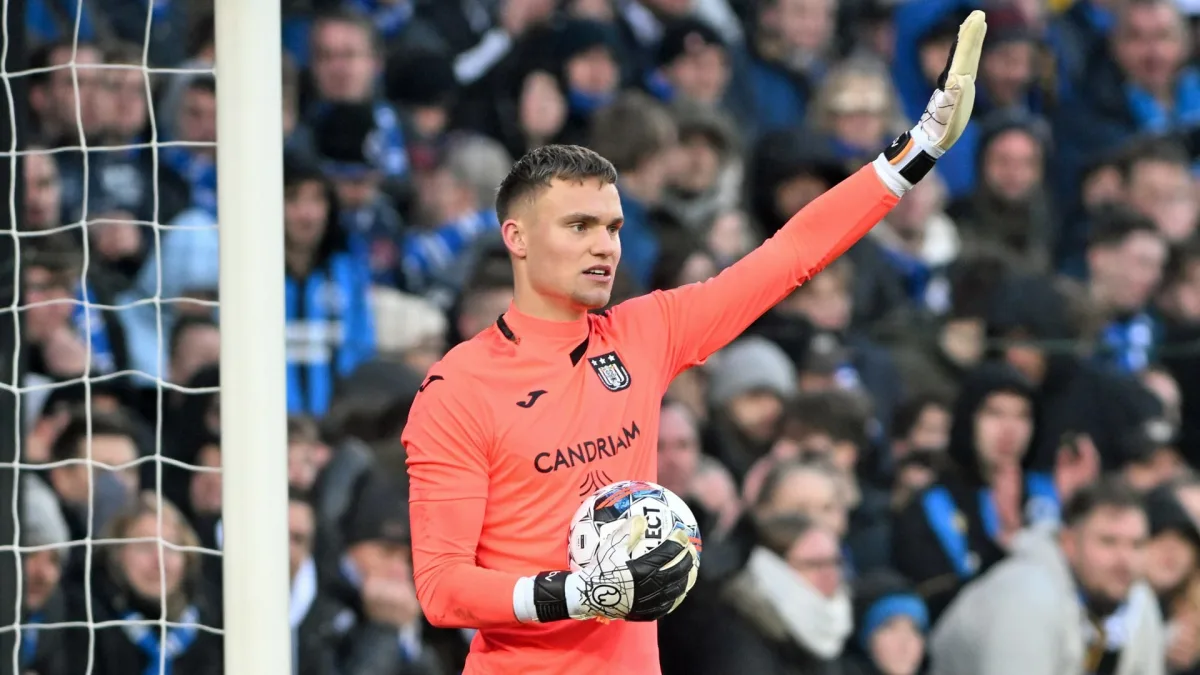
(513, 428)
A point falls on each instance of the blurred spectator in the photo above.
(890, 623)
(67, 103)
(374, 579)
(834, 426)
(347, 60)
(857, 107)
(641, 139)
(1025, 615)
(330, 323)
(683, 469)
(68, 336)
(791, 42)
(1138, 84)
(694, 65)
(1149, 456)
(704, 182)
(408, 329)
(195, 159)
(307, 453)
(454, 212)
(486, 295)
(789, 609)
(1126, 256)
(750, 382)
(1010, 208)
(422, 85)
(93, 473)
(1009, 70)
(933, 358)
(1159, 184)
(963, 524)
(1172, 560)
(921, 242)
(195, 343)
(347, 147)
(920, 435)
(44, 531)
(130, 578)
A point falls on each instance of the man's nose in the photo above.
(605, 244)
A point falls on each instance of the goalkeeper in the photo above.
(514, 428)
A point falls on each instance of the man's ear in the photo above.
(513, 233)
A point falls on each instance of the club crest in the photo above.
(611, 371)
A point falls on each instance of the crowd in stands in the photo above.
(970, 446)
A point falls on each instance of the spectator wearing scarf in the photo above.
(128, 584)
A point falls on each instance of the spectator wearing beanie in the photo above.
(890, 624)
(422, 85)
(749, 383)
(588, 70)
(42, 528)
(374, 579)
(348, 149)
(1148, 455)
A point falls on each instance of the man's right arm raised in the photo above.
(447, 439)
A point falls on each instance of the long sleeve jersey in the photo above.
(515, 427)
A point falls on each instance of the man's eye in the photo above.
(579, 227)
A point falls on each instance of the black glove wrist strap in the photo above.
(550, 596)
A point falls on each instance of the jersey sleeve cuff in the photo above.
(523, 605)
(549, 596)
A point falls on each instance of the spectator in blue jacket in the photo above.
(1140, 84)
(330, 329)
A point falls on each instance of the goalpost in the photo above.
(254, 539)
(253, 395)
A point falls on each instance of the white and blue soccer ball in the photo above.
(606, 508)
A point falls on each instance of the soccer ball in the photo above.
(604, 511)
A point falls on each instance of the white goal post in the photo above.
(253, 393)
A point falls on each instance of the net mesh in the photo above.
(113, 510)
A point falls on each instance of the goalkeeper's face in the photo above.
(568, 240)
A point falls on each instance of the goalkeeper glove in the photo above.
(614, 586)
(914, 153)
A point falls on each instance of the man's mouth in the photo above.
(599, 271)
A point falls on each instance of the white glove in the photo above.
(614, 586)
(914, 153)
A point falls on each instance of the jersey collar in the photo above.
(520, 328)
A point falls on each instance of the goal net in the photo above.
(116, 481)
